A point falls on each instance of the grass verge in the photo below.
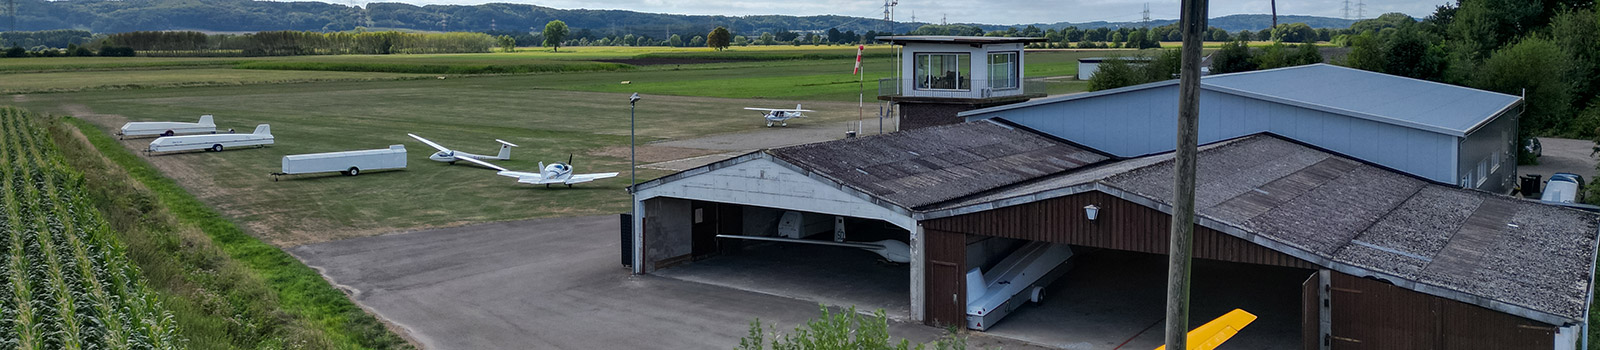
(297, 291)
(542, 67)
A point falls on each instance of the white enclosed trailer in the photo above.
(350, 163)
(204, 126)
(214, 142)
(1018, 279)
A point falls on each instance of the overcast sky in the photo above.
(979, 11)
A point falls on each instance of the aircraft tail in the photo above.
(505, 149)
(1212, 334)
(206, 120)
(263, 129)
(797, 106)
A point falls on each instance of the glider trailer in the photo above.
(204, 126)
(262, 137)
(349, 163)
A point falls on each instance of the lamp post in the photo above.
(633, 173)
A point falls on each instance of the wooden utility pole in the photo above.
(1178, 254)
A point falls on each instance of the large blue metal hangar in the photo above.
(1349, 209)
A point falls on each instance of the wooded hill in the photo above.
(115, 16)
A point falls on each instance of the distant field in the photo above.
(139, 79)
(669, 71)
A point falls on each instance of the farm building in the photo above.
(1333, 249)
(940, 76)
(1441, 132)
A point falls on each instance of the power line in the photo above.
(1361, 9)
(1346, 9)
(1146, 22)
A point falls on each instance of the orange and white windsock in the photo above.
(858, 59)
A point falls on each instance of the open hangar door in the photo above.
(819, 257)
(1111, 290)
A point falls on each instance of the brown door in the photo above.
(704, 228)
(1311, 313)
(947, 252)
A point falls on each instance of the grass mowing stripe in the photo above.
(300, 289)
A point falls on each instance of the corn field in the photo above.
(65, 282)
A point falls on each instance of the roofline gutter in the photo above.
(644, 187)
(1283, 247)
(1496, 116)
(1588, 304)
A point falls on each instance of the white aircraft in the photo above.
(558, 173)
(780, 116)
(451, 156)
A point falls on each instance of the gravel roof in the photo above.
(915, 168)
(1497, 249)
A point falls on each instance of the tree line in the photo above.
(287, 43)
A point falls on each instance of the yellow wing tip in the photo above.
(1212, 334)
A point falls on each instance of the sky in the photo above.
(974, 11)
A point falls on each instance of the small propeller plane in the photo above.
(558, 173)
(451, 156)
(781, 116)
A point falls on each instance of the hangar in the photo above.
(1344, 251)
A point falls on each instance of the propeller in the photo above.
(569, 159)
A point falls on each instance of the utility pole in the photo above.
(1346, 9)
(1274, 14)
(1179, 252)
(1361, 9)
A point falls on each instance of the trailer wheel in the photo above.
(1037, 295)
(353, 171)
(168, 133)
(216, 148)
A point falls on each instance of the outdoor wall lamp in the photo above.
(1092, 211)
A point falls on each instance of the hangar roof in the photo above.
(1515, 256)
(1414, 103)
(915, 168)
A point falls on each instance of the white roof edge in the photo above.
(1064, 98)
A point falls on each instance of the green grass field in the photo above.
(551, 114)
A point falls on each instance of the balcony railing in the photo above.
(891, 88)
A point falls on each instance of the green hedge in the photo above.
(543, 67)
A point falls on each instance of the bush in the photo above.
(16, 52)
(1536, 65)
(1115, 73)
(1232, 57)
(116, 51)
(844, 330)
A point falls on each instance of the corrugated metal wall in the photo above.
(1133, 124)
(1372, 314)
(1121, 225)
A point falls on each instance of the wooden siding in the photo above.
(1121, 225)
(1372, 314)
(947, 289)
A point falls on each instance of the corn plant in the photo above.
(65, 283)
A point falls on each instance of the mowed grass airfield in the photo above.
(582, 112)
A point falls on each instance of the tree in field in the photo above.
(506, 42)
(768, 39)
(675, 41)
(741, 41)
(719, 38)
(697, 41)
(554, 33)
(1295, 33)
(1233, 57)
